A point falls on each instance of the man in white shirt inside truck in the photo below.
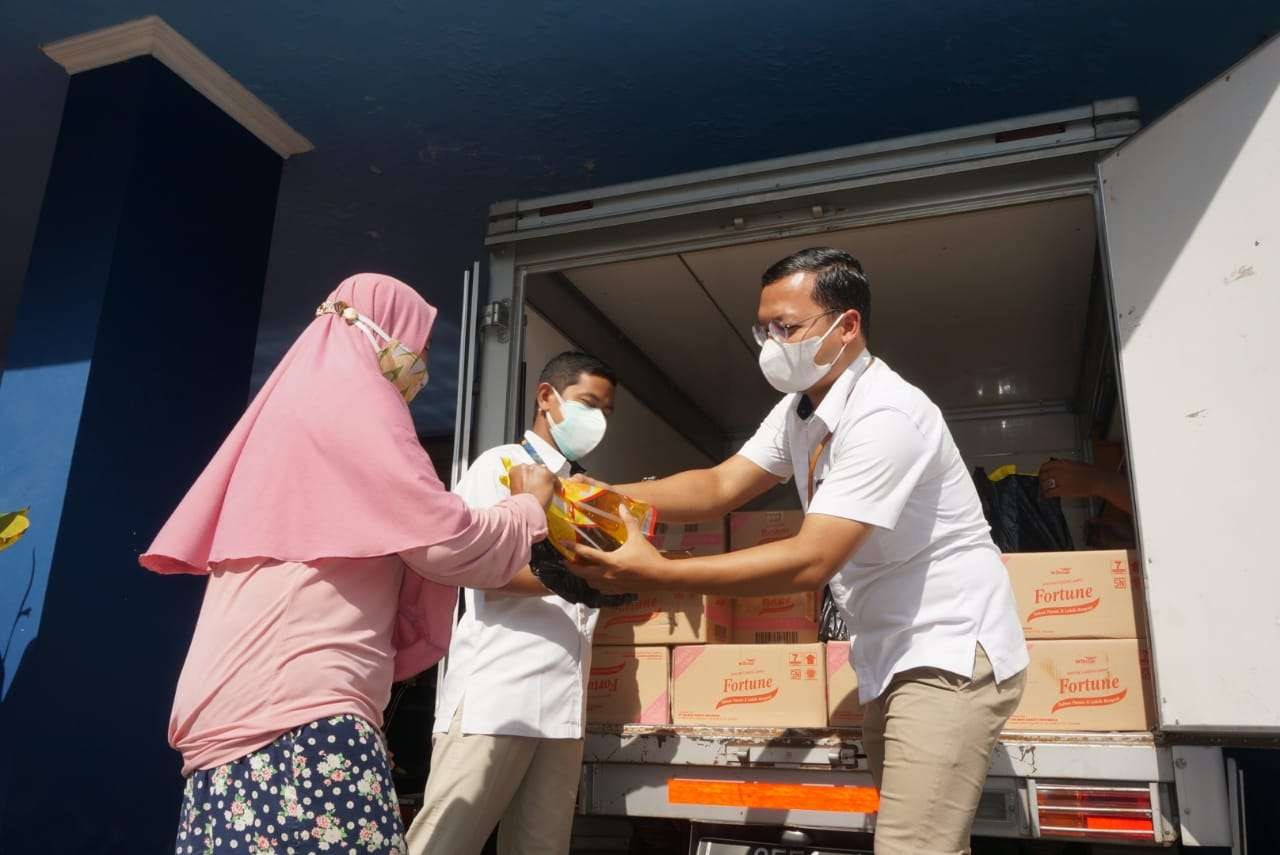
(893, 524)
(507, 747)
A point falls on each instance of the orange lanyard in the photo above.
(813, 464)
(817, 452)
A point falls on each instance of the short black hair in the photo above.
(840, 283)
(564, 370)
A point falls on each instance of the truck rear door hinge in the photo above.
(496, 316)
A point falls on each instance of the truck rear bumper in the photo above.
(818, 779)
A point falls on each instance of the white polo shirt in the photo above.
(518, 665)
(927, 584)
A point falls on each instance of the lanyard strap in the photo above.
(532, 452)
(813, 464)
(860, 365)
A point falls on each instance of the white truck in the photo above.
(1040, 278)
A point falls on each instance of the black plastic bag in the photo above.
(1021, 518)
(549, 567)
(831, 626)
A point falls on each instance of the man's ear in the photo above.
(851, 325)
(545, 397)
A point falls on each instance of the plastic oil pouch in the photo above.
(587, 514)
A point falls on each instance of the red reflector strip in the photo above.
(687, 791)
(1030, 133)
(566, 208)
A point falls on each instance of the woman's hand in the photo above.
(537, 481)
(634, 566)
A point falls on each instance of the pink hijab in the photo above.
(326, 463)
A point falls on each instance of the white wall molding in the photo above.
(151, 36)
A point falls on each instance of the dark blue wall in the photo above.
(129, 362)
(32, 89)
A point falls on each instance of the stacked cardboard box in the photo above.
(1077, 594)
(1086, 684)
(704, 538)
(661, 618)
(630, 671)
(753, 528)
(629, 685)
(843, 709)
(775, 675)
(764, 685)
(1081, 613)
(780, 619)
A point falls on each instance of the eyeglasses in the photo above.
(782, 333)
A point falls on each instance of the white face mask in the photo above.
(790, 367)
(579, 430)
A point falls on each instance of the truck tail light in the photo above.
(1101, 813)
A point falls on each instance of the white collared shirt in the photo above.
(517, 665)
(927, 584)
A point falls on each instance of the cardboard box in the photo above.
(704, 538)
(1086, 685)
(660, 618)
(843, 709)
(785, 619)
(628, 685)
(1077, 594)
(765, 685)
(752, 528)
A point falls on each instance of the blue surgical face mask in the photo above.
(579, 430)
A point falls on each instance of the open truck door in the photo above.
(1191, 220)
(468, 329)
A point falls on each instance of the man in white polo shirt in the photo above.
(893, 523)
(507, 748)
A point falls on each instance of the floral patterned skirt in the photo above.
(325, 787)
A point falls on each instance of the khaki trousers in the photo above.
(527, 783)
(929, 739)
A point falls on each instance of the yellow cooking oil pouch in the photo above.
(587, 514)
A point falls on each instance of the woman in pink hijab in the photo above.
(333, 554)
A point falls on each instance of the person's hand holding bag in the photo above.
(537, 481)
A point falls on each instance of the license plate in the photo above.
(738, 847)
